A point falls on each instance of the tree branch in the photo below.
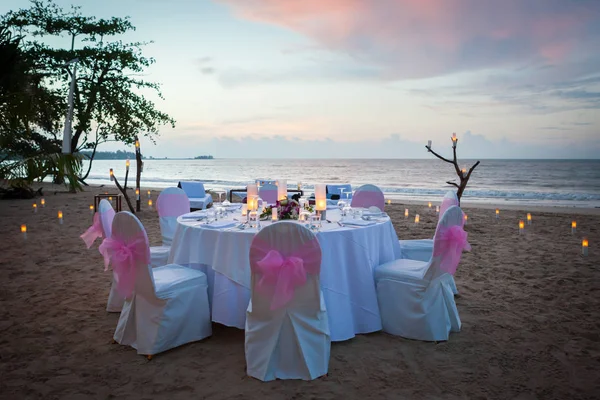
(438, 156)
(453, 184)
(124, 191)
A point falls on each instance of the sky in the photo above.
(369, 78)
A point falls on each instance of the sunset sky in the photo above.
(370, 78)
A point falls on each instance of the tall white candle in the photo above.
(320, 197)
(281, 189)
(24, 231)
(429, 143)
(274, 214)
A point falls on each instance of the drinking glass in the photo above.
(315, 222)
(211, 215)
(358, 212)
(304, 216)
(254, 219)
(346, 210)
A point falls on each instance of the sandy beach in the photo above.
(529, 304)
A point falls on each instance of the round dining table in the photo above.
(351, 249)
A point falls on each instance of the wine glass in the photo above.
(315, 222)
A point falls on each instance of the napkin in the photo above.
(220, 224)
(194, 215)
(372, 214)
(357, 222)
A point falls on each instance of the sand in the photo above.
(529, 304)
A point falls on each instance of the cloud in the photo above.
(424, 38)
(207, 70)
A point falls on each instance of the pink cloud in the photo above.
(418, 38)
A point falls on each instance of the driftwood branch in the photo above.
(138, 174)
(123, 189)
(464, 178)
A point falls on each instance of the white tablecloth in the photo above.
(350, 255)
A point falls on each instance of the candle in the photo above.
(429, 143)
(497, 214)
(454, 139)
(110, 199)
(466, 218)
(389, 201)
(112, 175)
(274, 214)
(127, 165)
(429, 205)
(24, 231)
(252, 190)
(521, 227)
(417, 219)
(60, 217)
(282, 189)
(584, 246)
(464, 172)
(149, 195)
(34, 208)
(573, 227)
(150, 203)
(91, 209)
(43, 202)
(299, 185)
(137, 194)
(320, 197)
(137, 144)
(406, 213)
(528, 219)
(437, 209)
(244, 210)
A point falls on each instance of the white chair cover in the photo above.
(415, 297)
(169, 304)
(335, 189)
(107, 214)
(268, 193)
(422, 249)
(368, 196)
(293, 341)
(195, 192)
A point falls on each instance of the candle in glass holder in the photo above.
(91, 209)
(573, 227)
(60, 217)
(281, 189)
(497, 214)
(429, 205)
(584, 247)
(274, 215)
(417, 219)
(43, 202)
(406, 213)
(110, 199)
(34, 208)
(24, 231)
(244, 210)
(466, 217)
(299, 185)
(454, 139)
(149, 195)
(127, 165)
(112, 175)
(389, 202)
(521, 227)
(528, 218)
(320, 197)
(137, 194)
(429, 143)
(150, 203)
(437, 209)
(137, 144)
(464, 172)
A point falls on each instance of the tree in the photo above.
(109, 104)
(29, 115)
(462, 174)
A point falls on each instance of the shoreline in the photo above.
(466, 204)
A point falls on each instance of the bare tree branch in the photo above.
(453, 184)
(438, 156)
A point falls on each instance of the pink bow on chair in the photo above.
(93, 232)
(284, 274)
(124, 256)
(450, 243)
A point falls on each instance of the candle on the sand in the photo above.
(43, 202)
(417, 219)
(60, 217)
(466, 217)
(429, 205)
(573, 227)
(584, 246)
(437, 209)
(91, 209)
(137, 194)
(24, 231)
(497, 214)
(521, 227)
(406, 213)
(389, 201)
(528, 218)
(150, 203)
(34, 208)
(149, 194)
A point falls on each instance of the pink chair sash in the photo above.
(446, 204)
(172, 205)
(280, 275)
(450, 243)
(125, 256)
(93, 232)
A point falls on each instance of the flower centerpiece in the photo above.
(286, 209)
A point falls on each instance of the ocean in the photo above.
(535, 182)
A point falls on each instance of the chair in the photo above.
(171, 203)
(165, 307)
(287, 331)
(421, 249)
(367, 196)
(196, 194)
(415, 298)
(268, 193)
(336, 189)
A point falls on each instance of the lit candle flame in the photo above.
(417, 219)
(406, 212)
(584, 242)
(34, 205)
(389, 201)
(127, 163)
(574, 224)
(521, 224)
(24, 228)
(137, 144)
(429, 204)
(150, 203)
(43, 202)
(60, 215)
